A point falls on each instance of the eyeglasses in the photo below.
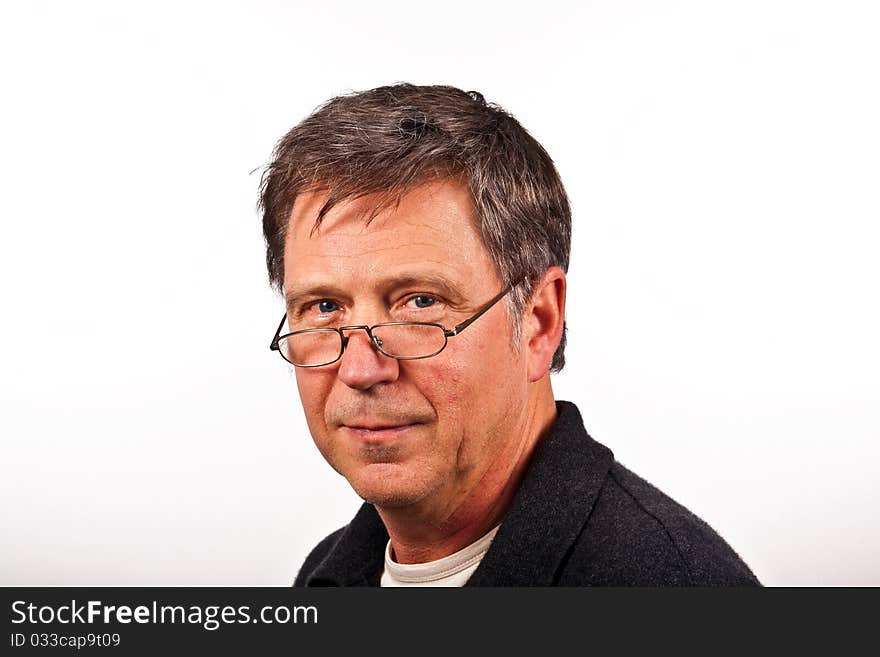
(399, 340)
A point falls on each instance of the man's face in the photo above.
(421, 432)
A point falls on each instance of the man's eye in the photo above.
(423, 301)
(326, 306)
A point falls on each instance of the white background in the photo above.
(722, 163)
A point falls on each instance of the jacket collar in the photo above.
(358, 556)
(545, 518)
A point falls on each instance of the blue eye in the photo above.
(423, 301)
(326, 306)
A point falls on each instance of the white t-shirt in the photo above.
(453, 570)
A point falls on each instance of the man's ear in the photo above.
(543, 321)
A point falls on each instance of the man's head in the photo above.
(387, 140)
(421, 204)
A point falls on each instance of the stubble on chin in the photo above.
(380, 453)
(389, 484)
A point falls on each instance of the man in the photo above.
(420, 238)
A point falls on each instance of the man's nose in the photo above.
(362, 365)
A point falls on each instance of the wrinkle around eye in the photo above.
(310, 313)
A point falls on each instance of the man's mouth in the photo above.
(378, 430)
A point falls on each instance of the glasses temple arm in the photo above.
(461, 327)
(274, 344)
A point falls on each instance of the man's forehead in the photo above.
(428, 204)
(430, 236)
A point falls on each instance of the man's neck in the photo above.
(422, 533)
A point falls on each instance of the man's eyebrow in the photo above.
(296, 295)
(447, 287)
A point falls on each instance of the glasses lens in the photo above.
(409, 340)
(311, 347)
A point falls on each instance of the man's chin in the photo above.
(387, 485)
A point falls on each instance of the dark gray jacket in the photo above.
(578, 519)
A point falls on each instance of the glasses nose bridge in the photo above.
(375, 342)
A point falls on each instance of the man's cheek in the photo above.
(313, 388)
(314, 404)
(447, 383)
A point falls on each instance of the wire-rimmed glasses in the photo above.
(316, 347)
